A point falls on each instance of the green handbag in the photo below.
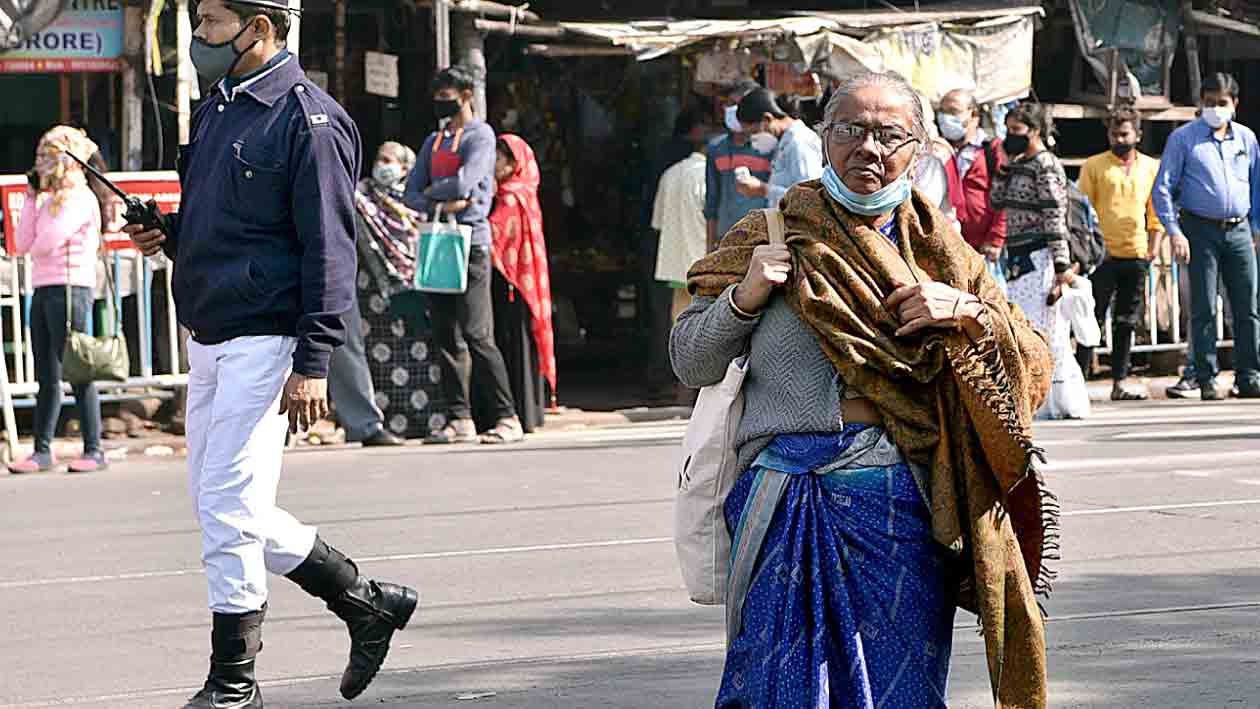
(90, 359)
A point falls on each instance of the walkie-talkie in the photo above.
(145, 214)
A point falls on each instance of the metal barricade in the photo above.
(1177, 341)
(20, 386)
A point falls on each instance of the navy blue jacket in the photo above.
(264, 240)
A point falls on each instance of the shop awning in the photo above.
(865, 20)
(652, 39)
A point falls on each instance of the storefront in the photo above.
(68, 72)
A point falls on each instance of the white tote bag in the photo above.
(707, 472)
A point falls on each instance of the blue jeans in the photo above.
(48, 344)
(1230, 257)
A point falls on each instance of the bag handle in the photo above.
(450, 216)
(109, 283)
(774, 222)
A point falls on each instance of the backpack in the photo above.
(1085, 239)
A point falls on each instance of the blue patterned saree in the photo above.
(839, 596)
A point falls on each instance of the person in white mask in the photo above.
(870, 334)
(1207, 194)
(730, 157)
(797, 149)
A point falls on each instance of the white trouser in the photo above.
(235, 447)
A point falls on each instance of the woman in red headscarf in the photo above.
(522, 284)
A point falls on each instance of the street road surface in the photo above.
(549, 581)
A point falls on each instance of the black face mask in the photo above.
(1123, 150)
(1015, 145)
(445, 108)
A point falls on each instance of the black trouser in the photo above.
(48, 344)
(1121, 280)
(463, 330)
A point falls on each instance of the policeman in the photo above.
(264, 256)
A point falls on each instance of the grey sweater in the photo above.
(791, 387)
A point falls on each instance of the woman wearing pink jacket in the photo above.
(60, 230)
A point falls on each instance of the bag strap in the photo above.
(990, 158)
(68, 311)
(774, 222)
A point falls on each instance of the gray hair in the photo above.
(887, 79)
(404, 155)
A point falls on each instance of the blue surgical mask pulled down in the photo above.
(881, 201)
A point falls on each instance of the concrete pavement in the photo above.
(549, 579)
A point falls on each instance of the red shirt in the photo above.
(982, 225)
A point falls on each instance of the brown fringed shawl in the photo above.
(962, 408)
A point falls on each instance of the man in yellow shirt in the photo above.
(1118, 184)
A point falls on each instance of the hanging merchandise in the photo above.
(835, 56)
(991, 58)
(722, 67)
(934, 61)
(784, 78)
(1002, 49)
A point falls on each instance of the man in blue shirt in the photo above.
(798, 152)
(1207, 195)
(723, 203)
(264, 264)
(455, 171)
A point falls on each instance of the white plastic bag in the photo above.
(1077, 306)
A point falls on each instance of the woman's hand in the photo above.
(768, 270)
(455, 206)
(932, 305)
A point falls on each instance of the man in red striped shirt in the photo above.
(723, 204)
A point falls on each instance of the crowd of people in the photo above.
(901, 288)
(494, 342)
(1071, 255)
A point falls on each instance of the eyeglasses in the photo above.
(889, 138)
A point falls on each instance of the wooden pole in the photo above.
(1192, 52)
(442, 33)
(497, 27)
(63, 82)
(294, 41)
(485, 8)
(133, 87)
(560, 51)
(472, 55)
(339, 61)
(184, 73)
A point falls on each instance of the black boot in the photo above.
(236, 640)
(372, 611)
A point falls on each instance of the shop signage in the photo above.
(162, 187)
(382, 74)
(87, 36)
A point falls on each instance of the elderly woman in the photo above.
(387, 232)
(886, 437)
